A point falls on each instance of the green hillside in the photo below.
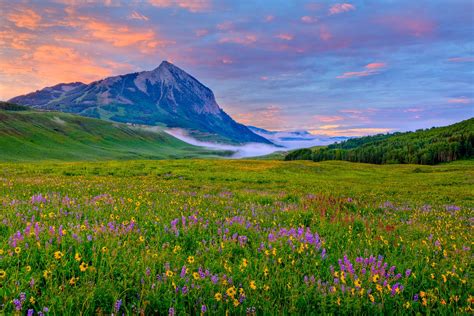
(27, 135)
(429, 147)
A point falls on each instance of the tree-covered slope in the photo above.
(27, 135)
(429, 146)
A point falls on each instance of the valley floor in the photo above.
(236, 236)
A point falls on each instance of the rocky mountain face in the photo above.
(166, 95)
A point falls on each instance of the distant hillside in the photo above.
(429, 147)
(166, 95)
(27, 135)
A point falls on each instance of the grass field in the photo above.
(36, 136)
(235, 236)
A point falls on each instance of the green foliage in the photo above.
(428, 147)
(7, 106)
(300, 154)
(35, 135)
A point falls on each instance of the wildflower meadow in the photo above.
(235, 237)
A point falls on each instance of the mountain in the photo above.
(296, 139)
(27, 135)
(429, 146)
(166, 95)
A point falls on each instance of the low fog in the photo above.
(251, 149)
(247, 150)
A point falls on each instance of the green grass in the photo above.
(234, 225)
(34, 136)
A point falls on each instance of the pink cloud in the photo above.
(460, 100)
(285, 36)
(340, 8)
(241, 39)
(413, 110)
(269, 18)
(461, 59)
(370, 69)
(324, 33)
(137, 16)
(225, 26)
(201, 32)
(412, 25)
(308, 19)
(190, 5)
(227, 60)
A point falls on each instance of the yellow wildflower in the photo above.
(77, 257)
(375, 278)
(252, 285)
(83, 267)
(372, 298)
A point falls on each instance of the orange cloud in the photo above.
(49, 64)
(338, 131)
(65, 65)
(190, 5)
(145, 40)
(375, 65)
(25, 18)
(340, 8)
(370, 69)
(118, 36)
(328, 118)
(15, 40)
(268, 117)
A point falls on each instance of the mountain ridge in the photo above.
(165, 95)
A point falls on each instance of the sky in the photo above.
(334, 68)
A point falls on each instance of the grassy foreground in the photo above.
(238, 237)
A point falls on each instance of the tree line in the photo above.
(430, 146)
